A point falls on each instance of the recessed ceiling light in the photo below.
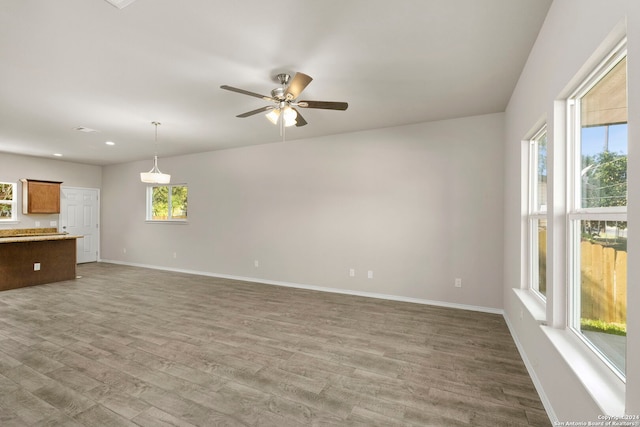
(58, 155)
(110, 143)
(85, 129)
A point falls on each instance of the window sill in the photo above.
(534, 304)
(602, 384)
(9, 223)
(152, 221)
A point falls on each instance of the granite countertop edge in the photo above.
(38, 238)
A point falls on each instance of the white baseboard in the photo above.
(319, 288)
(532, 373)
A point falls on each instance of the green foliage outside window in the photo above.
(6, 200)
(604, 180)
(179, 202)
(169, 202)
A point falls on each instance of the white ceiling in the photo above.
(70, 63)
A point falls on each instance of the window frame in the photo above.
(13, 203)
(575, 212)
(535, 215)
(149, 204)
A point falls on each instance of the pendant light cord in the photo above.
(155, 145)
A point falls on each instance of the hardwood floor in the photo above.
(126, 346)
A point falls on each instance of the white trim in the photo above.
(546, 403)
(617, 54)
(579, 216)
(534, 303)
(535, 215)
(573, 118)
(605, 388)
(399, 298)
(601, 354)
(568, 338)
(534, 166)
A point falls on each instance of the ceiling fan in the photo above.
(285, 101)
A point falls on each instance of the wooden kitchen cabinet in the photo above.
(40, 197)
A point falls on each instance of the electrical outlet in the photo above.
(37, 223)
(175, 255)
(352, 272)
(124, 250)
(256, 263)
(458, 282)
(36, 266)
(370, 274)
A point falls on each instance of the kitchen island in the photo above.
(35, 256)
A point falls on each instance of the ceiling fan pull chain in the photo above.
(282, 127)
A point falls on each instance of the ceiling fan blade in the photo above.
(300, 121)
(257, 111)
(246, 92)
(297, 85)
(326, 105)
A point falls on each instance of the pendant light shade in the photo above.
(154, 176)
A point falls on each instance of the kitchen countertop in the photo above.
(34, 235)
(38, 238)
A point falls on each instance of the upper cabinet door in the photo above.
(40, 197)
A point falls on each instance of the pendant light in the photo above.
(154, 176)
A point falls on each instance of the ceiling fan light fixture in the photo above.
(273, 115)
(289, 115)
(154, 176)
(285, 98)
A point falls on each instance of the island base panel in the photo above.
(57, 259)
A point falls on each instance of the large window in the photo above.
(597, 219)
(538, 213)
(8, 203)
(167, 203)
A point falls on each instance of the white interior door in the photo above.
(79, 215)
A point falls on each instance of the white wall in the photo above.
(14, 167)
(418, 205)
(575, 34)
